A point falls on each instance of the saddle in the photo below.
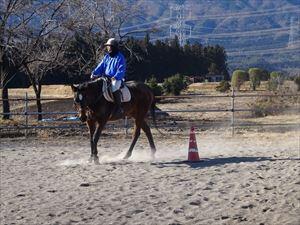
(107, 93)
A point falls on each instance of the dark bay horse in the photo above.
(96, 111)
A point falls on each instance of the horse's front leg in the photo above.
(96, 137)
(98, 127)
(92, 128)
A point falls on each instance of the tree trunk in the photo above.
(4, 91)
(5, 102)
(38, 101)
(37, 88)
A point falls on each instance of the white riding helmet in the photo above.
(111, 42)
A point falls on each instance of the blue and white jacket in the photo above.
(111, 66)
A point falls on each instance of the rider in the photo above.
(113, 65)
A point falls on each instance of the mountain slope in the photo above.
(254, 32)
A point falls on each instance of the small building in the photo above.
(196, 79)
(214, 77)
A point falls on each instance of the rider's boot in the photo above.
(119, 112)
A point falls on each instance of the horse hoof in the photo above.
(153, 157)
(126, 156)
(96, 160)
(91, 159)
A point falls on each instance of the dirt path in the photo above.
(251, 178)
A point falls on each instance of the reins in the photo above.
(102, 93)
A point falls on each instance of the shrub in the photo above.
(276, 79)
(238, 78)
(278, 76)
(255, 75)
(224, 86)
(272, 85)
(152, 83)
(297, 81)
(265, 106)
(174, 84)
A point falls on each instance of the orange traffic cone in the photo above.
(193, 155)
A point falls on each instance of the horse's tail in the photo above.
(152, 110)
(153, 115)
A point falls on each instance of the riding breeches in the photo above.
(115, 85)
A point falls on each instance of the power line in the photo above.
(243, 33)
(248, 14)
(262, 52)
(144, 24)
(294, 31)
(180, 29)
(243, 14)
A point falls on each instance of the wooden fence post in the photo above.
(232, 112)
(26, 114)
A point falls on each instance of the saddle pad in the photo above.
(126, 96)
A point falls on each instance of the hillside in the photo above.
(254, 32)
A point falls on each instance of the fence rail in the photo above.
(169, 97)
(232, 109)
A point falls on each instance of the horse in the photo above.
(96, 111)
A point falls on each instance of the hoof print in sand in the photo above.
(84, 185)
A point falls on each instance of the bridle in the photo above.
(79, 105)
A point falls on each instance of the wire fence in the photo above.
(72, 120)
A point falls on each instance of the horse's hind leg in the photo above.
(148, 133)
(136, 134)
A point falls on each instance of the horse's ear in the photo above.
(74, 87)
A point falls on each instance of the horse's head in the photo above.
(85, 96)
(79, 102)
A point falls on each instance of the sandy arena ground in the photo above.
(247, 179)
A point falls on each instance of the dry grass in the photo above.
(288, 86)
(175, 121)
(63, 91)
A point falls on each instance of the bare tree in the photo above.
(36, 44)
(34, 34)
(102, 19)
(45, 49)
(10, 23)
